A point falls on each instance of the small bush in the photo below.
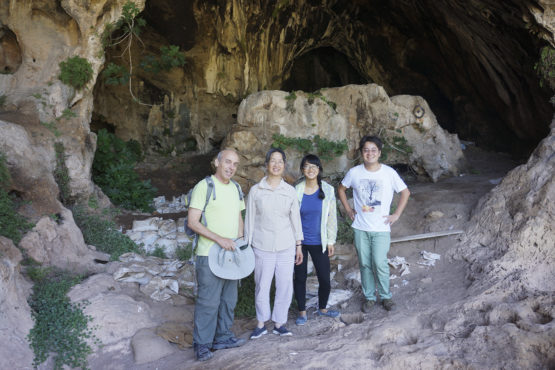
(61, 175)
(158, 252)
(2, 100)
(545, 67)
(75, 72)
(12, 225)
(113, 171)
(115, 74)
(184, 253)
(61, 327)
(170, 56)
(245, 297)
(103, 234)
(328, 150)
(345, 233)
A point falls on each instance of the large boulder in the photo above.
(15, 313)
(60, 243)
(407, 125)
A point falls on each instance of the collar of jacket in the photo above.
(264, 185)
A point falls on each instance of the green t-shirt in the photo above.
(222, 214)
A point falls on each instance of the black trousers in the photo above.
(321, 263)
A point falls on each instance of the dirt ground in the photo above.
(413, 335)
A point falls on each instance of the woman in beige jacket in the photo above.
(273, 228)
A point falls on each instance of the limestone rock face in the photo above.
(359, 110)
(15, 313)
(31, 167)
(62, 245)
(48, 33)
(522, 206)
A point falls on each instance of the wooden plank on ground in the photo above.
(434, 234)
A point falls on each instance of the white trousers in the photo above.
(267, 265)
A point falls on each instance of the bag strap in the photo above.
(209, 191)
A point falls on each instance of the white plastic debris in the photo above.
(429, 258)
(399, 263)
(336, 296)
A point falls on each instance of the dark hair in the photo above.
(272, 151)
(313, 159)
(372, 139)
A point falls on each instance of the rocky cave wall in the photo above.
(473, 63)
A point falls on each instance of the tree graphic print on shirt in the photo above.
(370, 190)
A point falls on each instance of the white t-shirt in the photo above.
(373, 193)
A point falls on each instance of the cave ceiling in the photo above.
(473, 61)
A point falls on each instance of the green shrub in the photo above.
(2, 100)
(397, 143)
(114, 74)
(61, 327)
(300, 144)
(103, 234)
(12, 225)
(170, 56)
(158, 252)
(545, 67)
(245, 297)
(345, 233)
(113, 171)
(75, 72)
(326, 149)
(61, 175)
(184, 253)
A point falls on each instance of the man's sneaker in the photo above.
(229, 343)
(258, 332)
(202, 352)
(388, 304)
(328, 313)
(367, 306)
(282, 331)
(301, 320)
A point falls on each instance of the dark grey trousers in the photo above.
(215, 305)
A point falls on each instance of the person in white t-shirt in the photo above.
(373, 185)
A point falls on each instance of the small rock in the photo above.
(426, 280)
(150, 224)
(434, 215)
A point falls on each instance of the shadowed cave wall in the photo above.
(472, 61)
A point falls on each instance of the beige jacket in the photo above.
(273, 219)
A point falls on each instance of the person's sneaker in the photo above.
(301, 320)
(328, 313)
(258, 332)
(202, 352)
(388, 304)
(282, 331)
(229, 343)
(367, 306)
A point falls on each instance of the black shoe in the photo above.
(388, 304)
(229, 343)
(202, 352)
(367, 306)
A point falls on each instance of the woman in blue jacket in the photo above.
(319, 223)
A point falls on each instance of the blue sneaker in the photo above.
(258, 332)
(282, 331)
(229, 343)
(301, 320)
(329, 313)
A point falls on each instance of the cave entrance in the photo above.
(319, 68)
